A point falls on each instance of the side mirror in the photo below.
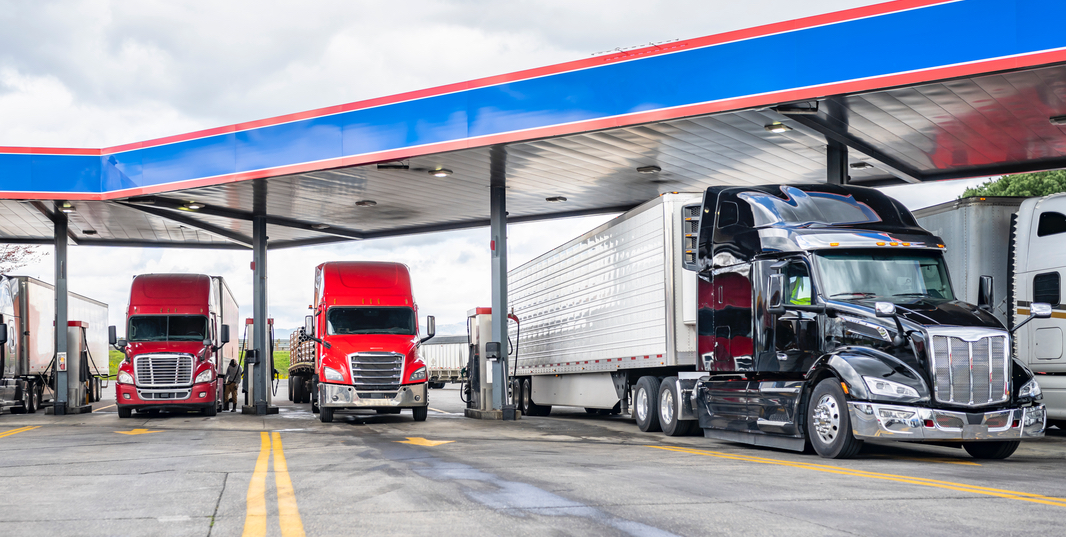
(225, 334)
(3, 333)
(121, 344)
(309, 325)
(112, 335)
(431, 328)
(884, 309)
(774, 292)
(984, 293)
(1037, 310)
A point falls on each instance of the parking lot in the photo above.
(569, 473)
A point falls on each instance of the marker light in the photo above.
(440, 172)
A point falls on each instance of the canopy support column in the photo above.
(498, 224)
(59, 219)
(836, 163)
(260, 330)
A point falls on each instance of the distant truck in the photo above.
(27, 350)
(1021, 242)
(445, 356)
(777, 315)
(365, 330)
(177, 328)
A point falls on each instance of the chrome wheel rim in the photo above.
(525, 395)
(642, 405)
(826, 419)
(666, 406)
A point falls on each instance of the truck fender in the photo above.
(850, 364)
(1019, 375)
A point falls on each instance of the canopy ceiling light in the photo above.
(649, 169)
(365, 203)
(798, 109)
(67, 207)
(861, 165)
(777, 127)
(319, 226)
(1058, 120)
(440, 172)
(192, 206)
(89, 232)
(555, 199)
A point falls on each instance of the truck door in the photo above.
(797, 333)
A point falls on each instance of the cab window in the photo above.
(798, 280)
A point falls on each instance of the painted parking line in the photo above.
(13, 432)
(255, 518)
(441, 411)
(961, 487)
(942, 460)
(103, 408)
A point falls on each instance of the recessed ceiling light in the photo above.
(649, 169)
(365, 203)
(1058, 120)
(319, 226)
(861, 165)
(89, 232)
(555, 199)
(440, 172)
(193, 206)
(777, 127)
(66, 207)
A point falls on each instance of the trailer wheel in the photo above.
(420, 413)
(298, 389)
(828, 422)
(991, 450)
(668, 415)
(291, 382)
(124, 412)
(210, 410)
(525, 399)
(326, 414)
(644, 407)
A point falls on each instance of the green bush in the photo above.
(1022, 184)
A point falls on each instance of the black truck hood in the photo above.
(928, 312)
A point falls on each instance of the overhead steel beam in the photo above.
(27, 240)
(52, 216)
(820, 124)
(133, 243)
(180, 217)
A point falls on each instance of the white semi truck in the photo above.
(1021, 243)
(27, 357)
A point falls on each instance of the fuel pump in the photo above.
(76, 363)
(254, 358)
(483, 354)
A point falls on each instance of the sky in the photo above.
(97, 73)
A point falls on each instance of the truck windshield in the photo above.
(167, 328)
(888, 277)
(343, 321)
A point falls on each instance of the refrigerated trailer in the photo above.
(445, 357)
(27, 359)
(1021, 243)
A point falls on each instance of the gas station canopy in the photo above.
(911, 91)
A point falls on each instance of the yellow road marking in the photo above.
(419, 441)
(435, 410)
(288, 513)
(103, 408)
(255, 518)
(133, 432)
(943, 460)
(962, 487)
(13, 432)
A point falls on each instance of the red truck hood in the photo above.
(345, 345)
(142, 347)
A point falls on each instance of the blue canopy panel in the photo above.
(846, 54)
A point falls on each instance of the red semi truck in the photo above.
(177, 327)
(365, 329)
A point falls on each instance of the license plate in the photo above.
(974, 432)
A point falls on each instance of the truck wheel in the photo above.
(644, 407)
(211, 410)
(326, 414)
(291, 383)
(828, 422)
(297, 390)
(668, 415)
(991, 450)
(525, 400)
(124, 412)
(32, 408)
(420, 413)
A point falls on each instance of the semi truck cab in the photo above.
(826, 316)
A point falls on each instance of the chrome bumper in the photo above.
(895, 422)
(344, 396)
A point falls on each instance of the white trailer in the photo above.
(605, 309)
(1021, 243)
(27, 307)
(445, 358)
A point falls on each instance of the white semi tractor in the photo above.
(1021, 243)
(27, 356)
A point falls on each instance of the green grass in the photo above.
(281, 362)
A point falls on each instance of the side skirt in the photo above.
(780, 442)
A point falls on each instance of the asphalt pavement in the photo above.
(566, 474)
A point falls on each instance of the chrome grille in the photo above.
(163, 369)
(970, 367)
(376, 371)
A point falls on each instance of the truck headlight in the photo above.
(205, 376)
(124, 378)
(419, 374)
(333, 374)
(1031, 390)
(888, 388)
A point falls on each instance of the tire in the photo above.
(592, 411)
(33, 400)
(124, 412)
(644, 404)
(27, 401)
(828, 422)
(209, 411)
(667, 407)
(291, 383)
(99, 389)
(991, 450)
(525, 399)
(326, 414)
(297, 390)
(420, 413)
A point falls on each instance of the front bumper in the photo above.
(131, 396)
(345, 396)
(896, 422)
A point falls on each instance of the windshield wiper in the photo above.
(911, 294)
(855, 295)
